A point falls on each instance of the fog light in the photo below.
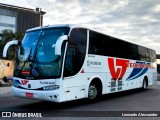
(50, 97)
(55, 96)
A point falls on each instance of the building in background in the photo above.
(19, 19)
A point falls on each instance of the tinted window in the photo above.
(105, 45)
(78, 38)
(144, 54)
(75, 52)
(132, 51)
(70, 61)
(100, 44)
(97, 43)
(152, 55)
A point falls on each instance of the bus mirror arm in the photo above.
(13, 42)
(59, 43)
(1, 37)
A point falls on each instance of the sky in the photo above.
(137, 21)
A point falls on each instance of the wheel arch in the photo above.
(98, 82)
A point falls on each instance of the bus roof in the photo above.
(66, 25)
(82, 26)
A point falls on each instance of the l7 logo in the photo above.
(117, 71)
(24, 82)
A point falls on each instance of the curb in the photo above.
(5, 91)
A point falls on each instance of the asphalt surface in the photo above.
(113, 104)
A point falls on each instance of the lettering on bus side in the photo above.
(95, 63)
(119, 66)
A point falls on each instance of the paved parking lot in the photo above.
(134, 100)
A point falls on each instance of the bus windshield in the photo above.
(36, 56)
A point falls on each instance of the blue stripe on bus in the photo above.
(18, 82)
(141, 73)
(137, 72)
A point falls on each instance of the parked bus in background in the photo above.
(158, 67)
(67, 62)
(158, 63)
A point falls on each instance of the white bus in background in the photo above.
(68, 62)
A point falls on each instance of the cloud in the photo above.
(137, 21)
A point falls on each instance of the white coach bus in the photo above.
(68, 62)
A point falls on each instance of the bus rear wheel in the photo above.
(92, 92)
(144, 86)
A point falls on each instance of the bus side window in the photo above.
(70, 61)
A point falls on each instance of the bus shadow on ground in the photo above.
(51, 106)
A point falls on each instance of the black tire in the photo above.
(92, 92)
(144, 85)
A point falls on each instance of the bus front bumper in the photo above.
(52, 95)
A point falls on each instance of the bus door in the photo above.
(72, 83)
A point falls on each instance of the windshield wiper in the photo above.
(27, 60)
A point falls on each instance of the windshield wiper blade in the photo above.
(28, 59)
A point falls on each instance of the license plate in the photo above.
(30, 95)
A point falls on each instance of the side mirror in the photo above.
(13, 42)
(59, 43)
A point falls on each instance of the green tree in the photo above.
(9, 35)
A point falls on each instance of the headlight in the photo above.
(53, 87)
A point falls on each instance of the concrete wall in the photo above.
(6, 68)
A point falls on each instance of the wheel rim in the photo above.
(92, 92)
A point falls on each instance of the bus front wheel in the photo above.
(92, 92)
